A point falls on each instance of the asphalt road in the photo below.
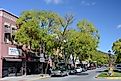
(86, 76)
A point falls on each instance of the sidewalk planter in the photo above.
(104, 75)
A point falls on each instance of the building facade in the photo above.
(13, 61)
(8, 50)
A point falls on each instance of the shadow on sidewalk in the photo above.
(82, 74)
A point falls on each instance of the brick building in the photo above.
(12, 60)
(8, 51)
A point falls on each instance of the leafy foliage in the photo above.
(47, 29)
(117, 50)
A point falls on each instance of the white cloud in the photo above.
(85, 3)
(119, 26)
(82, 2)
(93, 3)
(53, 1)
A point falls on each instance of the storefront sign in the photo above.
(13, 51)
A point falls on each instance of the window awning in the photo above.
(13, 60)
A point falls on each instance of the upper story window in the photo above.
(6, 26)
(9, 31)
(14, 29)
(7, 38)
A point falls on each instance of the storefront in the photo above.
(11, 67)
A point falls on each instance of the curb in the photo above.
(113, 77)
(108, 77)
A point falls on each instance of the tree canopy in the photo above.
(117, 50)
(50, 31)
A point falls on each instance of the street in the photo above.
(86, 76)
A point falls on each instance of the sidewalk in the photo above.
(25, 78)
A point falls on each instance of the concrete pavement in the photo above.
(25, 78)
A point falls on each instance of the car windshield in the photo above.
(78, 68)
(63, 69)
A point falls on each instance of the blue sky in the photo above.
(104, 14)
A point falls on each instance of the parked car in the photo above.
(78, 70)
(72, 71)
(92, 66)
(59, 72)
(84, 69)
(118, 67)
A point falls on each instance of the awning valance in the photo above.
(13, 60)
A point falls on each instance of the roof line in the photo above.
(1, 9)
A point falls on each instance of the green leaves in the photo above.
(38, 28)
(87, 39)
(117, 50)
(117, 46)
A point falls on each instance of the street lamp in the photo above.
(109, 53)
(110, 71)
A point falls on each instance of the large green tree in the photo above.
(117, 50)
(88, 39)
(36, 29)
(100, 57)
(48, 31)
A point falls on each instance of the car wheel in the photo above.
(61, 75)
(67, 74)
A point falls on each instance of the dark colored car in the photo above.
(59, 72)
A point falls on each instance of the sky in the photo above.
(104, 14)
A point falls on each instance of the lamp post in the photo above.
(109, 54)
(110, 71)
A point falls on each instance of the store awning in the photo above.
(13, 60)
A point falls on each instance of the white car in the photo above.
(78, 70)
(118, 67)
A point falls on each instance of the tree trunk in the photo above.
(24, 67)
(46, 68)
